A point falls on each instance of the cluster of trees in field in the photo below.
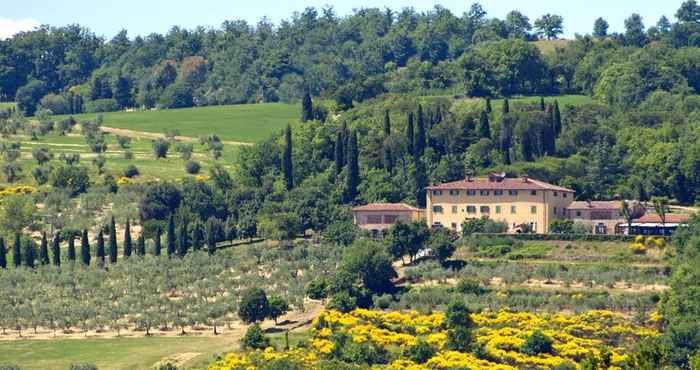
(70, 69)
(158, 292)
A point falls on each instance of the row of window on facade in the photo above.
(484, 209)
(485, 193)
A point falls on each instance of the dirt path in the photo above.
(153, 135)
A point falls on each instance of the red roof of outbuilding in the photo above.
(386, 207)
(607, 205)
(494, 183)
(671, 218)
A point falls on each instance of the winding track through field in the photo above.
(154, 135)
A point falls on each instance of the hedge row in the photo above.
(565, 237)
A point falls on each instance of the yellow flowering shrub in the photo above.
(16, 190)
(501, 335)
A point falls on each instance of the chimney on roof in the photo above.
(526, 179)
(590, 204)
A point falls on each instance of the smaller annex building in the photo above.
(603, 217)
(375, 217)
(651, 224)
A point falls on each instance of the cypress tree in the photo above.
(556, 118)
(287, 159)
(85, 248)
(171, 236)
(127, 239)
(56, 250)
(71, 248)
(44, 250)
(542, 105)
(156, 243)
(409, 134)
(550, 132)
(506, 139)
(3, 254)
(100, 249)
(506, 106)
(197, 236)
(353, 179)
(387, 158)
(141, 245)
(387, 123)
(112, 241)
(339, 153)
(183, 242)
(211, 241)
(420, 136)
(17, 251)
(29, 254)
(420, 179)
(488, 106)
(484, 126)
(307, 108)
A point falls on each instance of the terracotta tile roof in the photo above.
(671, 218)
(607, 205)
(489, 183)
(386, 207)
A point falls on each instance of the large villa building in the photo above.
(515, 201)
(521, 203)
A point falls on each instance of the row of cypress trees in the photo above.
(26, 254)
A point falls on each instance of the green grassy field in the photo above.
(4, 105)
(123, 353)
(549, 46)
(245, 123)
(111, 354)
(170, 168)
(563, 100)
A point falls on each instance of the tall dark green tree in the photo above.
(112, 241)
(171, 238)
(506, 140)
(56, 250)
(156, 243)
(128, 246)
(339, 153)
(197, 236)
(211, 238)
(488, 108)
(29, 254)
(141, 245)
(600, 28)
(353, 179)
(17, 251)
(409, 134)
(420, 179)
(3, 254)
(287, 164)
(549, 133)
(556, 118)
(506, 106)
(387, 157)
(307, 108)
(420, 135)
(484, 126)
(100, 249)
(183, 242)
(44, 250)
(85, 248)
(71, 248)
(542, 106)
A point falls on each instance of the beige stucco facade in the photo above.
(500, 202)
